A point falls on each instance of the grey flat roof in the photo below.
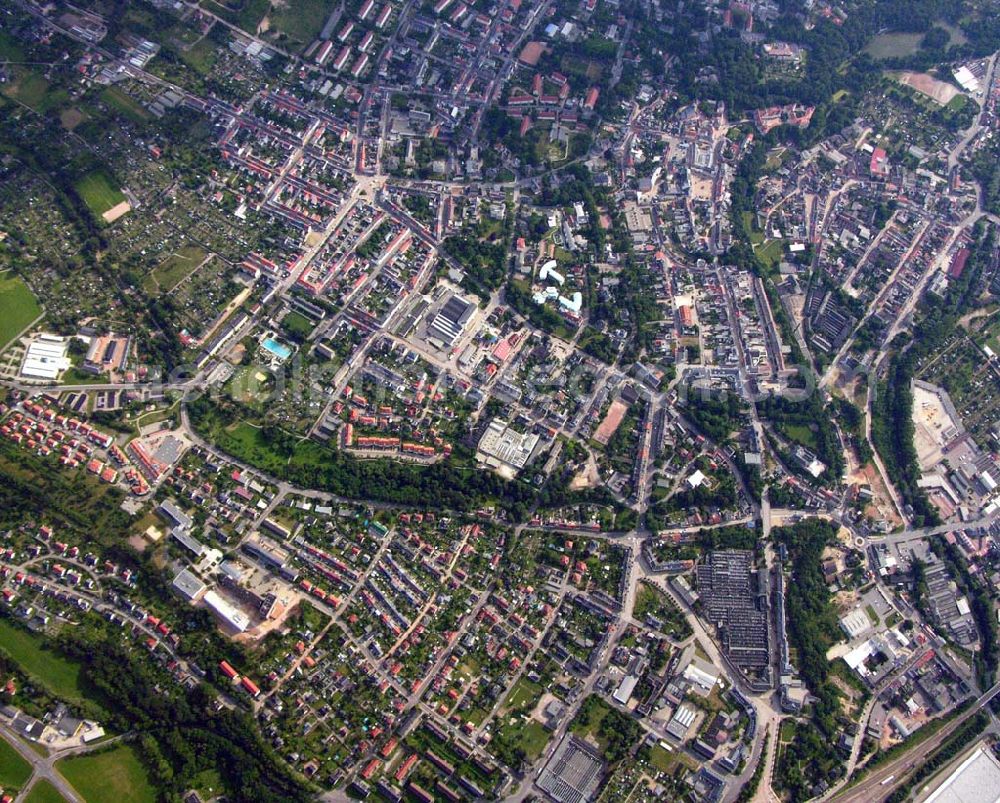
(188, 584)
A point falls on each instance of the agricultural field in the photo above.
(18, 308)
(98, 191)
(110, 776)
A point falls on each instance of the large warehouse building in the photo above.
(46, 357)
(451, 320)
(975, 780)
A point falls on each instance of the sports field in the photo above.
(99, 192)
(18, 307)
(110, 776)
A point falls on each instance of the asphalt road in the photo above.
(43, 767)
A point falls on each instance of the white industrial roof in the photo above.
(856, 623)
(45, 357)
(976, 780)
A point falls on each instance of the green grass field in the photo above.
(527, 735)
(524, 693)
(246, 14)
(178, 266)
(10, 48)
(247, 388)
(208, 782)
(98, 191)
(112, 776)
(297, 325)
(993, 341)
(800, 433)
(894, 45)
(18, 308)
(301, 20)
(589, 718)
(201, 57)
(957, 103)
(60, 675)
(44, 792)
(770, 254)
(756, 237)
(29, 89)
(669, 760)
(120, 102)
(34, 91)
(14, 769)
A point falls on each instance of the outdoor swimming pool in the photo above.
(279, 350)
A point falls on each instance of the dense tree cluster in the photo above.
(817, 416)
(541, 315)
(312, 465)
(985, 168)
(485, 263)
(716, 415)
(183, 733)
(812, 627)
(811, 615)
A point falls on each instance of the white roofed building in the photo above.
(46, 357)
(228, 613)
